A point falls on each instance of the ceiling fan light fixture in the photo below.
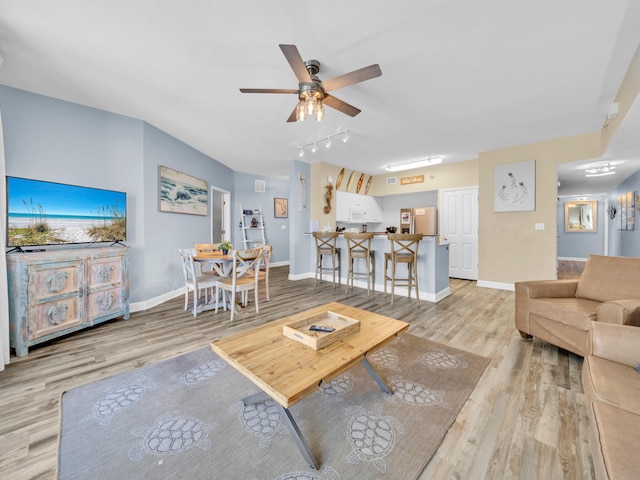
(421, 162)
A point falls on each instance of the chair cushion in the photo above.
(613, 383)
(618, 440)
(574, 312)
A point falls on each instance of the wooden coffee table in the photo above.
(287, 371)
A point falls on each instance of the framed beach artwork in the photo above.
(182, 193)
(514, 187)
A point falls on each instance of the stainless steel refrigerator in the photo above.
(419, 220)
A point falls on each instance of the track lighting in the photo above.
(328, 143)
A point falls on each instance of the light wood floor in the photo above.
(525, 420)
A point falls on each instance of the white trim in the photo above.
(154, 302)
(572, 259)
(496, 285)
(378, 287)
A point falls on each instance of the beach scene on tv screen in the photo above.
(45, 213)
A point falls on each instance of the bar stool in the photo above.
(404, 249)
(326, 246)
(359, 246)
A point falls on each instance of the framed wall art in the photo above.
(182, 193)
(514, 187)
(280, 207)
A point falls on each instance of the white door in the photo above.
(459, 223)
(220, 215)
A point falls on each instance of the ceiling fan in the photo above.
(313, 92)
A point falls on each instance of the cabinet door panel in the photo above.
(54, 279)
(104, 271)
(103, 302)
(49, 317)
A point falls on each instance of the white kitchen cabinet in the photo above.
(354, 208)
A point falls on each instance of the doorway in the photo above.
(220, 215)
(459, 223)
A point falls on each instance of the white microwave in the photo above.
(357, 215)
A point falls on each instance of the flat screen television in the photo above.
(47, 213)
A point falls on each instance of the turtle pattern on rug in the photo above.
(184, 418)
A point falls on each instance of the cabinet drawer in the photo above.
(49, 317)
(104, 302)
(54, 279)
(104, 271)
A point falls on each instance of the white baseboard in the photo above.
(572, 259)
(378, 287)
(496, 285)
(152, 302)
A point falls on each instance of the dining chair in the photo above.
(404, 249)
(194, 282)
(263, 274)
(244, 277)
(204, 249)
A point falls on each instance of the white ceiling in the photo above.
(458, 77)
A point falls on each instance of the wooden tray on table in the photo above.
(299, 330)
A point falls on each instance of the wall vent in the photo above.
(392, 180)
(260, 186)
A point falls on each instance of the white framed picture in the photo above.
(514, 187)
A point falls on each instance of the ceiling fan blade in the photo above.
(356, 76)
(338, 104)
(292, 55)
(294, 115)
(268, 90)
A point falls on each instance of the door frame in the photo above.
(225, 226)
(443, 216)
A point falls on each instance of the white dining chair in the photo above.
(196, 283)
(243, 278)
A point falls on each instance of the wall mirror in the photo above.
(581, 216)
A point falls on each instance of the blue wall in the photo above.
(625, 243)
(59, 141)
(245, 196)
(579, 245)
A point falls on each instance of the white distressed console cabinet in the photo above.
(57, 292)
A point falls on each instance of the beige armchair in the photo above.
(562, 311)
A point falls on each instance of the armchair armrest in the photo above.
(618, 343)
(621, 312)
(526, 291)
(547, 288)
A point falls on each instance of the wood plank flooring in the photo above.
(525, 420)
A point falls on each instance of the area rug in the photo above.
(183, 419)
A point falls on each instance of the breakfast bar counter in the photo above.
(432, 268)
